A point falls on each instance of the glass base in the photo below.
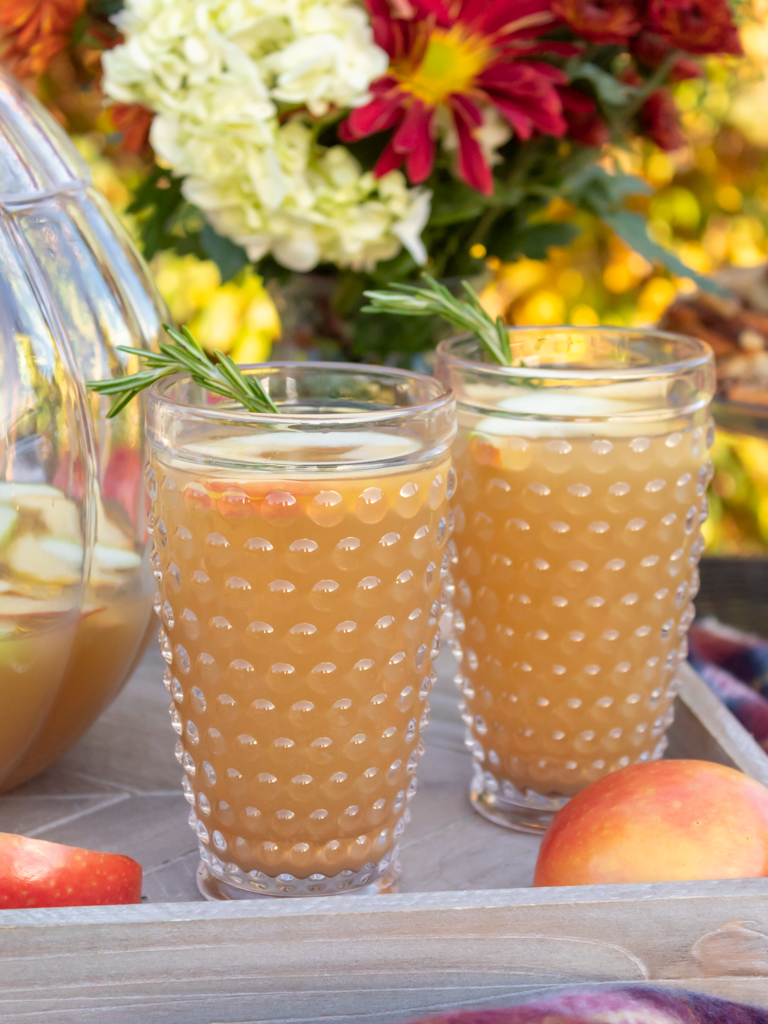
(504, 804)
(219, 881)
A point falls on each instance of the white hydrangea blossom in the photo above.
(322, 207)
(218, 73)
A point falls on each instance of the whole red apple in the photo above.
(36, 873)
(663, 821)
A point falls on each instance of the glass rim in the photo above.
(702, 356)
(157, 393)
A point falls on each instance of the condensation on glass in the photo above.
(75, 593)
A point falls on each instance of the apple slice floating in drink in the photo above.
(271, 447)
(281, 502)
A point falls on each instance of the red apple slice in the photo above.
(484, 452)
(36, 873)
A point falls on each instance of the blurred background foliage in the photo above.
(710, 204)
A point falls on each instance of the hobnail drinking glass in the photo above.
(300, 560)
(582, 473)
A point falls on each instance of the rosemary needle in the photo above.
(436, 300)
(183, 354)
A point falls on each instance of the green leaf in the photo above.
(378, 335)
(227, 255)
(533, 240)
(156, 202)
(104, 8)
(398, 268)
(632, 228)
(78, 32)
(607, 86)
(505, 195)
(600, 192)
(118, 405)
(454, 202)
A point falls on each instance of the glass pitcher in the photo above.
(75, 582)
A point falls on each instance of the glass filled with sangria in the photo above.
(582, 471)
(301, 566)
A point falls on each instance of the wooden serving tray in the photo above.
(465, 930)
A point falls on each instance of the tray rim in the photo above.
(463, 900)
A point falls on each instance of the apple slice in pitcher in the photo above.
(59, 514)
(52, 560)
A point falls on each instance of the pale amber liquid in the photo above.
(31, 669)
(299, 623)
(64, 655)
(106, 646)
(576, 567)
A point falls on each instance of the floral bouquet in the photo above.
(364, 140)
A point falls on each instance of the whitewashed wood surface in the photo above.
(464, 931)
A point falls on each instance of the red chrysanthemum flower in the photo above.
(600, 21)
(33, 32)
(659, 120)
(696, 26)
(459, 57)
(650, 49)
(584, 123)
(134, 122)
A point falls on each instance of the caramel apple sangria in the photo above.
(301, 562)
(582, 471)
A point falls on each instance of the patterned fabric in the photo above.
(734, 666)
(615, 1006)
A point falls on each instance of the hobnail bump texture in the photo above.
(577, 566)
(300, 660)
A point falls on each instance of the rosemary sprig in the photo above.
(182, 354)
(436, 300)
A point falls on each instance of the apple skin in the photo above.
(36, 873)
(662, 821)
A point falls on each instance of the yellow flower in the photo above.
(238, 317)
(753, 453)
(186, 283)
